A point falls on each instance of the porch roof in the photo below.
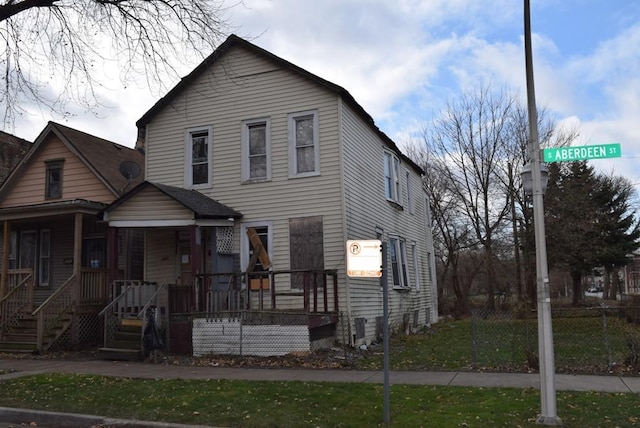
(51, 208)
(202, 207)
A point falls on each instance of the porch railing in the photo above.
(133, 299)
(93, 286)
(54, 315)
(18, 302)
(306, 290)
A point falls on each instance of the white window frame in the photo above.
(293, 158)
(188, 157)
(427, 210)
(245, 246)
(416, 265)
(44, 258)
(392, 177)
(246, 155)
(399, 247)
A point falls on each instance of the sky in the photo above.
(403, 60)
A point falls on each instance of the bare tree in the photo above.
(516, 156)
(470, 137)
(453, 236)
(53, 49)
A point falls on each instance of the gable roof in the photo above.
(202, 206)
(12, 150)
(101, 156)
(235, 41)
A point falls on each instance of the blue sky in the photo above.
(403, 60)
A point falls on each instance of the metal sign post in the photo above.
(368, 259)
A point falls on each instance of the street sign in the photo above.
(569, 154)
(364, 258)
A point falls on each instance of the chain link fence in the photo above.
(598, 337)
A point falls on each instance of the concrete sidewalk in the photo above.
(14, 368)
(24, 367)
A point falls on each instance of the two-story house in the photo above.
(53, 255)
(256, 165)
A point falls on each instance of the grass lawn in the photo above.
(580, 345)
(308, 404)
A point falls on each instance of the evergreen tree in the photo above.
(618, 228)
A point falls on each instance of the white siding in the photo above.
(366, 209)
(241, 87)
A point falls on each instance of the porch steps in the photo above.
(23, 338)
(125, 344)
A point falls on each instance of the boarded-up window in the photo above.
(306, 249)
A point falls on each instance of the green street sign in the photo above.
(569, 154)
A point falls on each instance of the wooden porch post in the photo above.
(6, 238)
(195, 244)
(112, 258)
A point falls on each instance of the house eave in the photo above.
(51, 208)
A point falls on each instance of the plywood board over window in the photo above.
(306, 247)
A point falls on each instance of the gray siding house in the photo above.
(292, 167)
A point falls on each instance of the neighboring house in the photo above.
(53, 253)
(256, 165)
(12, 150)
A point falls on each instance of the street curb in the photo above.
(77, 420)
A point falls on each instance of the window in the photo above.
(53, 186)
(44, 268)
(13, 250)
(306, 250)
(198, 157)
(264, 231)
(427, 211)
(398, 256)
(303, 144)
(409, 192)
(391, 177)
(416, 271)
(256, 146)
(94, 252)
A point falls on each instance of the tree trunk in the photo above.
(615, 284)
(462, 301)
(576, 279)
(607, 283)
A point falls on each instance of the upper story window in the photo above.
(198, 157)
(392, 177)
(53, 185)
(304, 157)
(427, 210)
(256, 148)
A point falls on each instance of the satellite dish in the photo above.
(129, 170)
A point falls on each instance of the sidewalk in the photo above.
(25, 367)
(14, 368)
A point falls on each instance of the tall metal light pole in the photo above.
(548, 411)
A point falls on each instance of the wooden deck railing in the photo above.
(49, 315)
(304, 290)
(133, 299)
(93, 286)
(18, 302)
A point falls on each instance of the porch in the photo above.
(257, 313)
